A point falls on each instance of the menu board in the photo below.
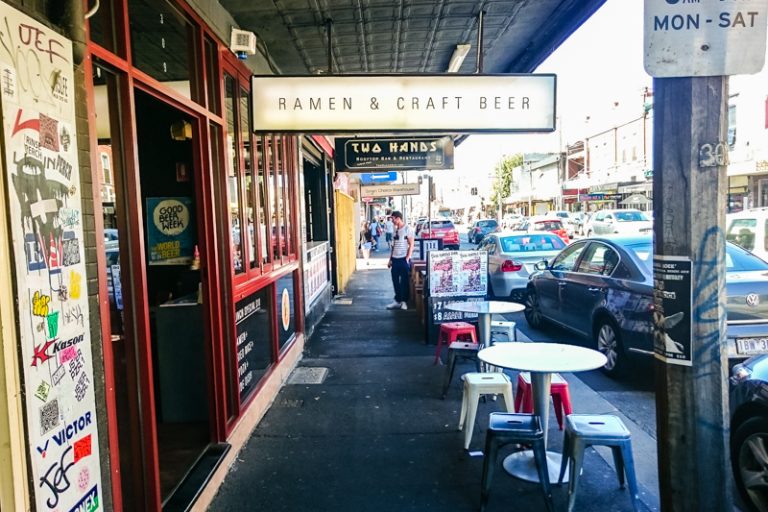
(457, 273)
(254, 340)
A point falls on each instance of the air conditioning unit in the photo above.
(242, 43)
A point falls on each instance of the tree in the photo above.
(502, 180)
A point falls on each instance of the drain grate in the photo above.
(308, 375)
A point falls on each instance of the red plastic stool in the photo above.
(561, 396)
(454, 331)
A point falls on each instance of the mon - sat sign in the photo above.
(394, 103)
(704, 37)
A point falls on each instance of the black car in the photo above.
(602, 289)
(749, 430)
(481, 228)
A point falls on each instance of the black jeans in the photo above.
(401, 272)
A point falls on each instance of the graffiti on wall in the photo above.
(43, 176)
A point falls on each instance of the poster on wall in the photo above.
(171, 235)
(672, 299)
(286, 309)
(37, 88)
(457, 273)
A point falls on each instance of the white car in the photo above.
(621, 222)
(512, 257)
(748, 230)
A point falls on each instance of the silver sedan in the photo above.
(511, 259)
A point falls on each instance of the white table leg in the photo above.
(521, 464)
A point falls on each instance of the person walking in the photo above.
(389, 230)
(375, 233)
(400, 261)
(366, 241)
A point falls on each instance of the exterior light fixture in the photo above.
(457, 59)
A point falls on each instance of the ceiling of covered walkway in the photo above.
(408, 36)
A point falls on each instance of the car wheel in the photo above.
(533, 310)
(749, 458)
(609, 344)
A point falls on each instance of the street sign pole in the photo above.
(689, 183)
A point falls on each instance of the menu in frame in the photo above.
(457, 273)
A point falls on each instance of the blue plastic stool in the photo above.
(583, 430)
(509, 427)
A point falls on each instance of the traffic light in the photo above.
(473, 191)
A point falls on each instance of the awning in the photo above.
(636, 199)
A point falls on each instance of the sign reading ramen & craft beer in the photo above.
(392, 103)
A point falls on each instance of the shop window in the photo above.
(163, 45)
(250, 196)
(279, 151)
(102, 26)
(212, 70)
(233, 180)
(262, 203)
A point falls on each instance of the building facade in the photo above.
(168, 260)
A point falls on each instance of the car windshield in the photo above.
(624, 216)
(742, 232)
(548, 225)
(487, 224)
(736, 258)
(530, 243)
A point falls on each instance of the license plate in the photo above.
(752, 346)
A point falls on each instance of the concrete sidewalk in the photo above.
(375, 435)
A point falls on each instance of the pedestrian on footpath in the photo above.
(400, 261)
(389, 229)
(375, 233)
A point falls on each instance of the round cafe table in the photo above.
(485, 310)
(542, 360)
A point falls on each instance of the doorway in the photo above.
(158, 343)
(167, 183)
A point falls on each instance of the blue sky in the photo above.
(600, 76)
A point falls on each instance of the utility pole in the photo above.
(689, 183)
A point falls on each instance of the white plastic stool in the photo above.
(476, 385)
(502, 331)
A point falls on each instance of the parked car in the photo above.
(748, 229)
(566, 218)
(749, 429)
(511, 260)
(622, 222)
(510, 221)
(420, 222)
(441, 228)
(480, 228)
(546, 223)
(578, 219)
(602, 289)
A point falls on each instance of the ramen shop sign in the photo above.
(391, 103)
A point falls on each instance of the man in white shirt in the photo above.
(400, 261)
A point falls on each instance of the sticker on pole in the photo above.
(704, 37)
(672, 322)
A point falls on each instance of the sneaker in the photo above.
(403, 305)
(393, 305)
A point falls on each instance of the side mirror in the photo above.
(542, 265)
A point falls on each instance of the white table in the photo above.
(542, 360)
(485, 310)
